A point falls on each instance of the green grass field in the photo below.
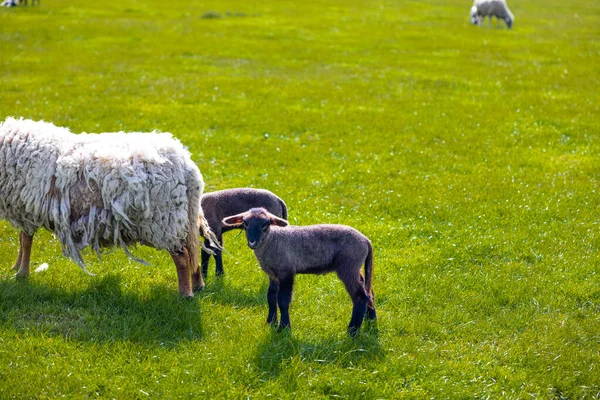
(469, 155)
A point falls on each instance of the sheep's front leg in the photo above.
(25, 242)
(180, 258)
(272, 293)
(284, 298)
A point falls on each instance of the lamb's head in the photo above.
(474, 19)
(256, 222)
(509, 21)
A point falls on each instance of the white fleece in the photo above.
(98, 190)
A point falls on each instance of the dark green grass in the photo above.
(469, 156)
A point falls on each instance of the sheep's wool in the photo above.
(108, 189)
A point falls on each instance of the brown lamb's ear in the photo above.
(278, 221)
(234, 220)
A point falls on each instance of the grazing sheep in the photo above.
(316, 249)
(491, 8)
(101, 190)
(223, 203)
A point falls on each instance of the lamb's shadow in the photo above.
(100, 313)
(280, 348)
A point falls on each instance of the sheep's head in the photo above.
(256, 222)
(474, 19)
(509, 22)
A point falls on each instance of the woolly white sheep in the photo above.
(491, 8)
(102, 190)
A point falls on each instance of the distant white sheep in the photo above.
(13, 3)
(491, 8)
(99, 190)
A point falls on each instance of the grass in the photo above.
(468, 155)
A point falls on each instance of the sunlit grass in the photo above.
(468, 155)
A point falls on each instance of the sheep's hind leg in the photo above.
(180, 258)
(19, 257)
(197, 281)
(23, 259)
(272, 294)
(284, 298)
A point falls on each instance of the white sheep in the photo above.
(102, 190)
(491, 8)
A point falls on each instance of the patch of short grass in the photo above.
(468, 155)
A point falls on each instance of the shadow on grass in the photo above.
(221, 292)
(282, 348)
(100, 313)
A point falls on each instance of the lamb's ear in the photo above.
(235, 221)
(278, 221)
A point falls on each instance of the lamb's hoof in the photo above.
(284, 328)
(371, 314)
(353, 331)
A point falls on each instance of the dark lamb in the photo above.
(284, 251)
(223, 203)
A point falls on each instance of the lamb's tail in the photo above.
(369, 277)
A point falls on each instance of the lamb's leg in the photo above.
(24, 254)
(219, 257)
(354, 283)
(359, 308)
(284, 298)
(180, 258)
(272, 300)
(205, 258)
(371, 314)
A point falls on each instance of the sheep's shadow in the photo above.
(100, 313)
(281, 348)
(219, 291)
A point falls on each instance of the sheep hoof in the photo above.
(21, 276)
(198, 288)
